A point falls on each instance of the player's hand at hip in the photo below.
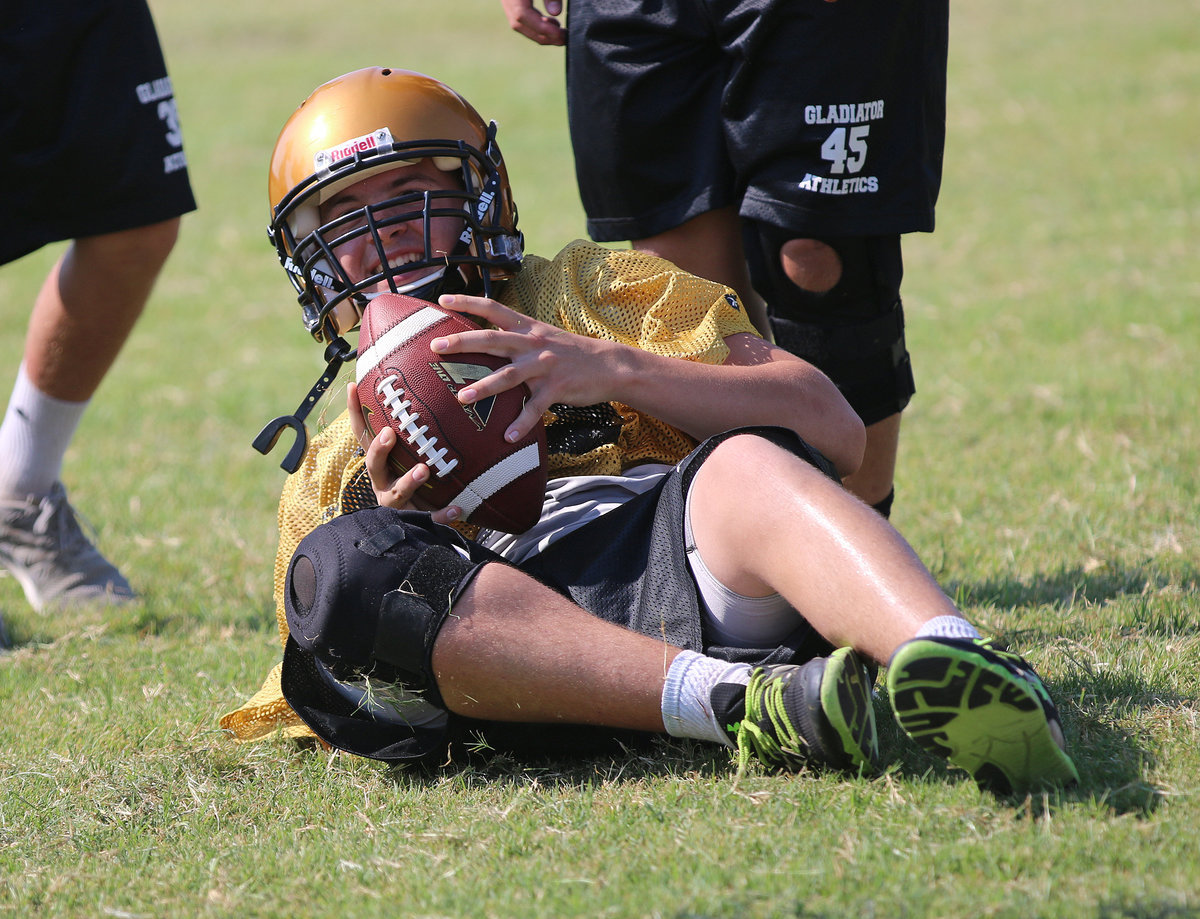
(391, 490)
(535, 25)
(557, 366)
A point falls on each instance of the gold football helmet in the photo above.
(364, 123)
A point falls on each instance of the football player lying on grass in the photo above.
(697, 568)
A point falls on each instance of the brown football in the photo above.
(402, 383)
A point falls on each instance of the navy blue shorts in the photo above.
(91, 136)
(826, 118)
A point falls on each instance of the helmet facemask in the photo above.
(332, 302)
(346, 132)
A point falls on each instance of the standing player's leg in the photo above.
(120, 206)
(836, 303)
(829, 192)
(83, 315)
(89, 304)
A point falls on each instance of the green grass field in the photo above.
(1048, 477)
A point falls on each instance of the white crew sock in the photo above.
(34, 437)
(686, 697)
(948, 627)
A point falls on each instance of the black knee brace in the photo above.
(367, 593)
(884, 505)
(854, 332)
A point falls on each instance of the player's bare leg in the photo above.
(836, 561)
(860, 585)
(854, 578)
(83, 314)
(88, 305)
(512, 649)
(873, 481)
(814, 266)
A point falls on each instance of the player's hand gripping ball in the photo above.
(402, 383)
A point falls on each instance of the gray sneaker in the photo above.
(43, 546)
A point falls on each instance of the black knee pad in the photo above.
(854, 332)
(367, 593)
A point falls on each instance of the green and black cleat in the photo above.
(790, 716)
(983, 709)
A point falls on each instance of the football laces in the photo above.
(411, 429)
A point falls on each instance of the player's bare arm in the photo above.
(758, 384)
(535, 25)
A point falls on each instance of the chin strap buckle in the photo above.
(336, 354)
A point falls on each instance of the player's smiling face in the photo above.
(404, 241)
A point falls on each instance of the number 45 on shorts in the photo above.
(846, 149)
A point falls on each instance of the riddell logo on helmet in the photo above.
(481, 207)
(318, 277)
(376, 141)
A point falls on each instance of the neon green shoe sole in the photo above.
(983, 709)
(845, 691)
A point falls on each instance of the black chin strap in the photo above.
(336, 354)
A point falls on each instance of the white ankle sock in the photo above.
(948, 627)
(34, 437)
(686, 703)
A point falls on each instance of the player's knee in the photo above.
(156, 241)
(367, 593)
(738, 459)
(810, 264)
(836, 303)
(134, 253)
(737, 485)
(732, 459)
(832, 279)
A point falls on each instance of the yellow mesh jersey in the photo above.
(620, 295)
(331, 480)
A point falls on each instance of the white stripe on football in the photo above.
(396, 337)
(508, 470)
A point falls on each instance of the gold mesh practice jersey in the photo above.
(620, 295)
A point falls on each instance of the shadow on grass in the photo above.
(1130, 603)
(1069, 587)
(481, 763)
(572, 757)
(1112, 764)
(1133, 909)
